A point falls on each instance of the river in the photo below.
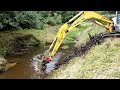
(24, 68)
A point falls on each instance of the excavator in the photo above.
(111, 26)
(72, 23)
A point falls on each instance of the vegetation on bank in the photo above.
(37, 37)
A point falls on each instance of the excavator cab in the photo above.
(118, 18)
(116, 21)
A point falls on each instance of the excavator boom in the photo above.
(72, 23)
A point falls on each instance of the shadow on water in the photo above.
(24, 68)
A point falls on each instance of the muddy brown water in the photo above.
(24, 68)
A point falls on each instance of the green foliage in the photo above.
(33, 42)
(72, 35)
(56, 19)
(66, 15)
(20, 20)
(36, 19)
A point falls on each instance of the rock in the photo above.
(2, 61)
(4, 65)
(10, 65)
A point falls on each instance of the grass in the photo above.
(74, 33)
(101, 62)
(65, 47)
(46, 35)
(92, 29)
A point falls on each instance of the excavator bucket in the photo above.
(41, 66)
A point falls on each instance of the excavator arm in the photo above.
(68, 26)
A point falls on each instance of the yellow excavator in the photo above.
(73, 22)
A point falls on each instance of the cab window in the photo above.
(118, 19)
